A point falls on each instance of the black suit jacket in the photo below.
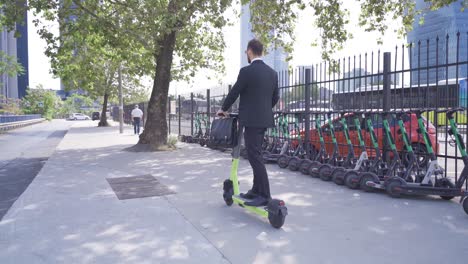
(257, 85)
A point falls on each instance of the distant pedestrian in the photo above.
(137, 115)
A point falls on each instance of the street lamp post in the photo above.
(120, 101)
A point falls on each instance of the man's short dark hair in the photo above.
(256, 47)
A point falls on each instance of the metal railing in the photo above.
(17, 118)
(427, 75)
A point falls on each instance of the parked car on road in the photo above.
(79, 116)
(96, 116)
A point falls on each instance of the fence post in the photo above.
(386, 81)
(308, 82)
(180, 114)
(229, 90)
(386, 96)
(208, 107)
(169, 110)
(191, 113)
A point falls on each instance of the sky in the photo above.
(304, 53)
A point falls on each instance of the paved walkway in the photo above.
(70, 214)
(23, 153)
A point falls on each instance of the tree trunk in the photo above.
(155, 132)
(103, 121)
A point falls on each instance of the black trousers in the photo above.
(136, 125)
(253, 137)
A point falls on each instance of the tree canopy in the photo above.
(172, 39)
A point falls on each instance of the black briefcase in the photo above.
(224, 132)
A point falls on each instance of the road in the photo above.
(23, 152)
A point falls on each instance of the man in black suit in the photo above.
(257, 86)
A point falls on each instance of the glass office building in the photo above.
(15, 86)
(444, 24)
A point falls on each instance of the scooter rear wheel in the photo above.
(202, 142)
(394, 187)
(276, 213)
(352, 179)
(446, 183)
(304, 166)
(325, 171)
(338, 176)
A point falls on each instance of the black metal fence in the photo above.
(426, 75)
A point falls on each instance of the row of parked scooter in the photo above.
(365, 166)
(367, 169)
(201, 119)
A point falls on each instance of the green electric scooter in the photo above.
(362, 164)
(275, 210)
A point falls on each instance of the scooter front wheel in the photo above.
(283, 161)
(338, 176)
(304, 166)
(325, 172)
(277, 212)
(314, 169)
(293, 163)
(465, 204)
(228, 192)
(368, 177)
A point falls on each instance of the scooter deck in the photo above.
(258, 210)
(417, 189)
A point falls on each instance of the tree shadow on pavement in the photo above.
(323, 219)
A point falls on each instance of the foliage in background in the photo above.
(135, 94)
(9, 65)
(10, 106)
(74, 104)
(172, 39)
(41, 101)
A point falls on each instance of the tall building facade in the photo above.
(275, 58)
(15, 86)
(447, 21)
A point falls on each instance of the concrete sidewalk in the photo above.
(70, 214)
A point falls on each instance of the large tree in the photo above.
(172, 39)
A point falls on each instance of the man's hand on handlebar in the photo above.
(222, 113)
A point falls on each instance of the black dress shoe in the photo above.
(257, 201)
(249, 195)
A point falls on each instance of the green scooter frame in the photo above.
(371, 181)
(325, 170)
(347, 162)
(279, 147)
(206, 122)
(434, 181)
(308, 166)
(276, 210)
(198, 131)
(378, 168)
(362, 164)
(293, 157)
